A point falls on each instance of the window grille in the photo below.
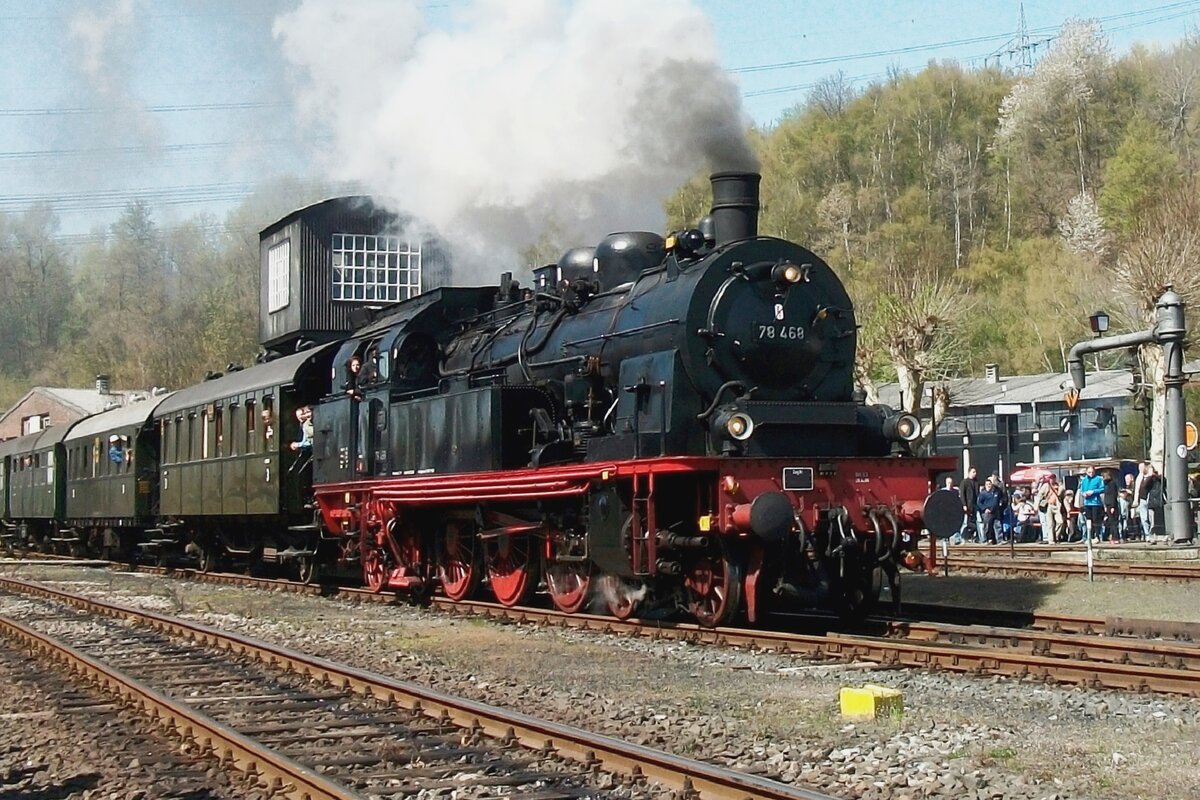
(279, 259)
(375, 269)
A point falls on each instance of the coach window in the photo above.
(165, 425)
(235, 435)
(268, 423)
(206, 433)
(219, 429)
(191, 437)
(251, 427)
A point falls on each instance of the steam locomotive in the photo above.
(657, 424)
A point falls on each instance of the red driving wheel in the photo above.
(458, 569)
(374, 567)
(512, 569)
(713, 582)
(622, 597)
(569, 584)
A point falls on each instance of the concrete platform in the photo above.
(1132, 551)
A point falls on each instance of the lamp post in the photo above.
(1099, 323)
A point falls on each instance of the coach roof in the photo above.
(20, 445)
(278, 373)
(136, 413)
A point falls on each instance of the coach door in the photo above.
(171, 486)
(262, 461)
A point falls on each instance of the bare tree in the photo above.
(952, 166)
(832, 94)
(835, 211)
(1176, 97)
(913, 324)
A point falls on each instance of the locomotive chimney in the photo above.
(103, 384)
(735, 205)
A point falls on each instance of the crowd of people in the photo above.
(1101, 508)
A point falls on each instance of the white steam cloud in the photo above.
(105, 40)
(520, 117)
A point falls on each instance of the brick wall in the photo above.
(34, 405)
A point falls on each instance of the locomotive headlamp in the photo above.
(788, 273)
(902, 428)
(736, 425)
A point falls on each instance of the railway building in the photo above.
(996, 421)
(326, 267)
(46, 406)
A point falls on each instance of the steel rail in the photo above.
(1068, 666)
(1034, 620)
(285, 777)
(1059, 645)
(887, 652)
(1006, 618)
(1029, 566)
(692, 778)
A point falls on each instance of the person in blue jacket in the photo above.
(1091, 486)
(988, 505)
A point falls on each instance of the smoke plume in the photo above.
(105, 39)
(517, 118)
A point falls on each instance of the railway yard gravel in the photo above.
(57, 741)
(960, 736)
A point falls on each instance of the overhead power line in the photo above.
(49, 112)
(90, 152)
(1187, 5)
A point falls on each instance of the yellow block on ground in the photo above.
(870, 701)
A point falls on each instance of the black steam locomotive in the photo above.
(669, 422)
(656, 424)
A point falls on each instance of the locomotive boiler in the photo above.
(656, 424)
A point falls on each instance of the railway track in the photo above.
(304, 727)
(114, 751)
(1029, 565)
(1098, 652)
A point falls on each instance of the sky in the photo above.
(490, 116)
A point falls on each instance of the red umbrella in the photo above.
(1029, 475)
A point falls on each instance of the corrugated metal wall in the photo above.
(311, 312)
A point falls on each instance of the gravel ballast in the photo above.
(959, 736)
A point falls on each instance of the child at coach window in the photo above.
(116, 449)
